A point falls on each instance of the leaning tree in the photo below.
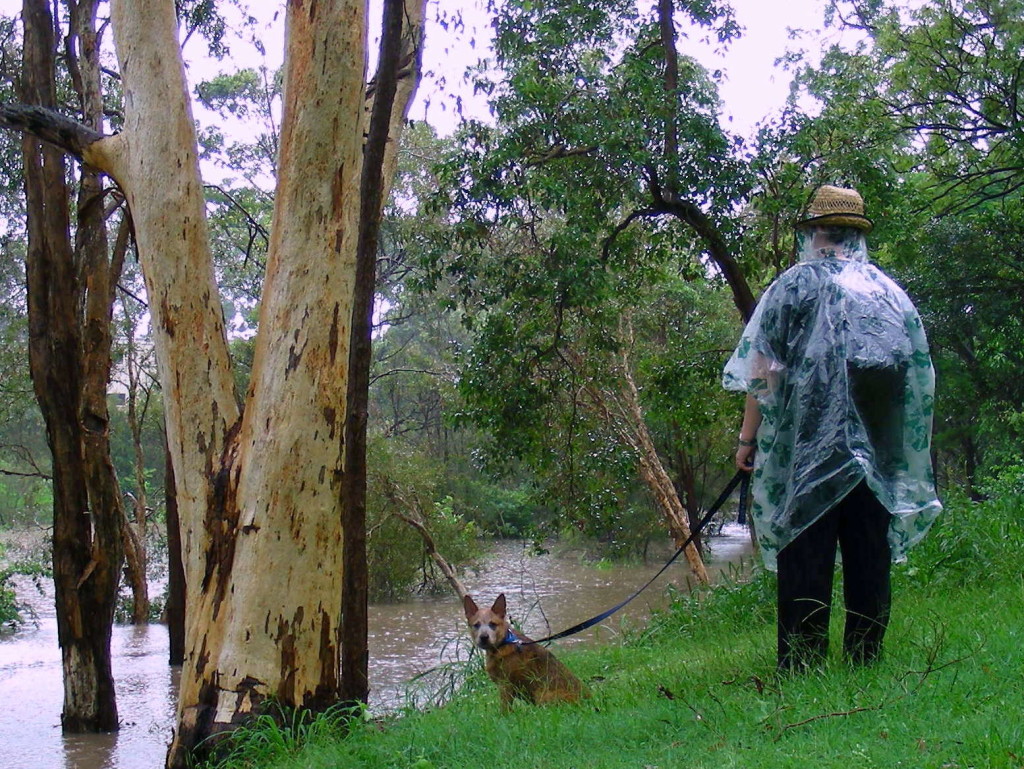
(606, 161)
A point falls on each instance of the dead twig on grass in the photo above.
(837, 714)
(932, 665)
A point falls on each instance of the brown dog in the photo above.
(520, 668)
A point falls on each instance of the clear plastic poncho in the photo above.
(836, 356)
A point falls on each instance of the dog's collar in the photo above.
(510, 638)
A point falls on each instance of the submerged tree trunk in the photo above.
(69, 297)
(136, 554)
(132, 535)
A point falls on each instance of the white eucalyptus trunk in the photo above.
(155, 160)
(290, 444)
(258, 494)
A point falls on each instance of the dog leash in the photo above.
(741, 479)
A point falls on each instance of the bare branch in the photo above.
(414, 520)
(622, 227)
(253, 223)
(49, 126)
(36, 474)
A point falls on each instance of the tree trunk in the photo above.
(665, 191)
(137, 398)
(691, 215)
(667, 28)
(620, 408)
(175, 608)
(970, 451)
(155, 161)
(135, 551)
(69, 295)
(135, 566)
(658, 482)
(685, 485)
(258, 496)
(401, 40)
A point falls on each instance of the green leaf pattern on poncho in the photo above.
(837, 358)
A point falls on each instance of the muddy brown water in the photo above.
(545, 593)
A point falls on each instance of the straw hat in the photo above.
(836, 207)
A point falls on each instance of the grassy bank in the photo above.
(698, 688)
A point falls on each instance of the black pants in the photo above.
(859, 525)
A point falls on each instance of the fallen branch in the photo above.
(821, 716)
(428, 542)
(442, 564)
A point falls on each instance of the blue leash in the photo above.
(741, 479)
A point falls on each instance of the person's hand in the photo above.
(745, 456)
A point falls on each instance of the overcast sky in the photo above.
(754, 86)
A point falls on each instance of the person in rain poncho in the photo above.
(837, 431)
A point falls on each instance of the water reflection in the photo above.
(31, 691)
(545, 593)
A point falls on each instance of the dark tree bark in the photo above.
(718, 249)
(686, 487)
(354, 684)
(666, 10)
(175, 570)
(268, 628)
(70, 290)
(664, 191)
(135, 565)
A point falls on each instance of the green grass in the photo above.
(698, 688)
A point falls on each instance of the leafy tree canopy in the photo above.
(946, 75)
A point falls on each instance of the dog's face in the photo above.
(487, 627)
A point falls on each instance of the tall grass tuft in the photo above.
(276, 733)
(973, 541)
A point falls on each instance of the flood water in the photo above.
(545, 593)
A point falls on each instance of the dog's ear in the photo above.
(469, 606)
(499, 605)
